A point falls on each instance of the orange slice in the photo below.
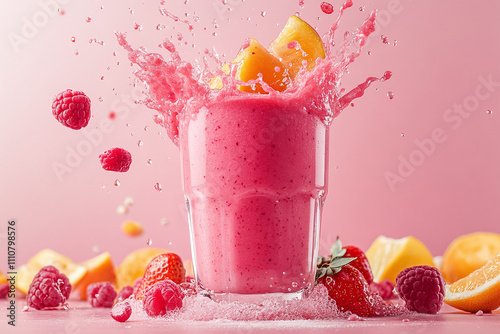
(3, 279)
(254, 59)
(298, 41)
(132, 228)
(134, 265)
(48, 257)
(478, 291)
(388, 257)
(99, 269)
(468, 253)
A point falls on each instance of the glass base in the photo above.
(257, 298)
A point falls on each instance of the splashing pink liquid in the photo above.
(177, 89)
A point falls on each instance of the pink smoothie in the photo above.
(254, 165)
(254, 177)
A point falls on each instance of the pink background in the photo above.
(443, 48)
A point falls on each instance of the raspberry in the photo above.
(116, 160)
(72, 109)
(121, 311)
(101, 294)
(422, 288)
(384, 289)
(137, 284)
(162, 297)
(125, 292)
(4, 290)
(48, 289)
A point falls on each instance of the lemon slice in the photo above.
(388, 257)
(48, 257)
(468, 253)
(478, 291)
(298, 41)
(134, 265)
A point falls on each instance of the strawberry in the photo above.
(347, 286)
(360, 261)
(164, 266)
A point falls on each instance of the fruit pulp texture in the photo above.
(254, 170)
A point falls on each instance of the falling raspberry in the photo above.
(72, 109)
(116, 160)
(326, 7)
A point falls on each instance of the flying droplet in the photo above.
(150, 161)
(489, 112)
(137, 26)
(263, 14)
(73, 39)
(158, 187)
(384, 39)
(117, 183)
(88, 19)
(160, 27)
(390, 95)
(402, 134)
(149, 242)
(164, 221)
(139, 143)
(100, 99)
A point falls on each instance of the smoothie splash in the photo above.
(253, 138)
(176, 88)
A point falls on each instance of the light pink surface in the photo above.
(83, 319)
(446, 52)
